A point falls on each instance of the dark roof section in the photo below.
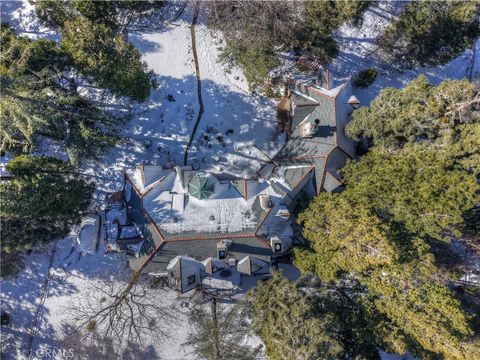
(323, 116)
(337, 160)
(302, 148)
(331, 182)
(294, 174)
(317, 163)
(240, 185)
(202, 249)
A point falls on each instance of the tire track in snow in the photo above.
(199, 81)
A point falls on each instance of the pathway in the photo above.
(199, 82)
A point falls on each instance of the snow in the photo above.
(358, 52)
(225, 211)
(247, 126)
(4, 159)
(87, 239)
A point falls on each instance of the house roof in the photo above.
(207, 207)
(303, 148)
(331, 182)
(200, 187)
(202, 249)
(319, 150)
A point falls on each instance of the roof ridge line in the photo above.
(216, 237)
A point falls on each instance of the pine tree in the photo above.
(417, 184)
(419, 111)
(114, 63)
(256, 30)
(39, 100)
(220, 334)
(410, 295)
(305, 319)
(285, 318)
(41, 202)
(420, 186)
(117, 15)
(430, 33)
(343, 237)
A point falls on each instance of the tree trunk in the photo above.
(216, 354)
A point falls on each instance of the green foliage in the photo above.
(54, 12)
(113, 62)
(22, 56)
(344, 237)
(254, 31)
(418, 184)
(365, 78)
(430, 33)
(422, 187)
(219, 334)
(11, 262)
(42, 201)
(114, 14)
(255, 62)
(324, 17)
(38, 100)
(417, 111)
(304, 320)
(412, 299)
(34, 107)
(284, 317)
(104, 12)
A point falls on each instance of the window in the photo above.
(191, 279)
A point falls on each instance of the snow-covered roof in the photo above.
(176, 211)
(144, 177)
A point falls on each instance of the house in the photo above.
(190, 225)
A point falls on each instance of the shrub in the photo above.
(365, 78)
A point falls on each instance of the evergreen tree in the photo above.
(220, 334)
(327, 16)
(430, 33)
(117, 15)
(257, 29)
(410, 296)
(41, 202)
(420, 186)
(343, 237)
(304, 320)
(39, 100)
(54, 12)
(114, 63)
(419, 111)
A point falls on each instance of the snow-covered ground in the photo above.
(57, 274)
(358, 52)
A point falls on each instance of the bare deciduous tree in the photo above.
(122, 311)
(265, 23)
(71, 341)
